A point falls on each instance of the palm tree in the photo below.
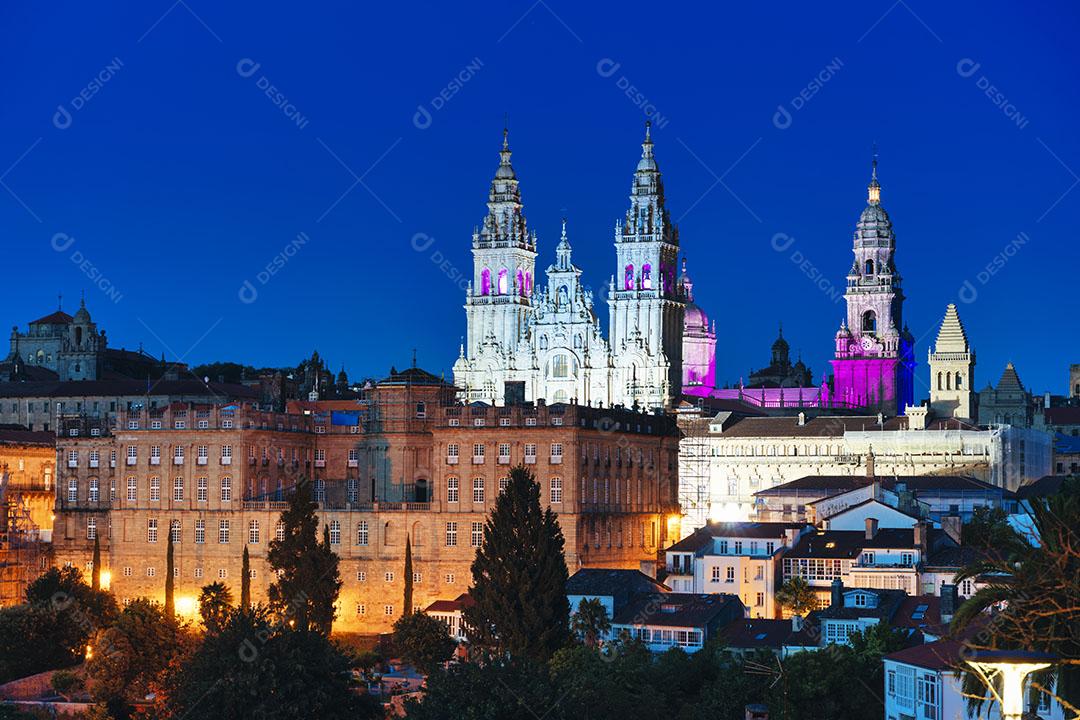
(591, 621)
(215, 600)
(797, 595)
(1031, 593)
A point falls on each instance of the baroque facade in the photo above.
(528, 342)
(406, 461)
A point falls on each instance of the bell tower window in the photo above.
(869, 321)
(869, 269)
(485, 281)
(646, 276)
(628, 277)
(501, 290)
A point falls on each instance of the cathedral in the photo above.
(528, 341)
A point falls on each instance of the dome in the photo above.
(695, 317)
(83, 315)
(780, 346)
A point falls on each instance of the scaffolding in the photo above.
(23, 551)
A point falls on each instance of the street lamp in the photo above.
(1013, 666)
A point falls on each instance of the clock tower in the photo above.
(874, 364)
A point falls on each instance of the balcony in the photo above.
(201, 460)
(555, 459)
(132, 460)
(477, 459)
(226, 461)
(153, 461)
(353, 463)
(320, 463)
(73, 463)
(177, 461)
(94, 463)
(530, 459)
(504, 459)
(451, 459)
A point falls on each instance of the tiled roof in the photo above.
(954, 556)
(940, 655)
(847, 544)
(830, 485)
(757, 633)
(821, 426)
(918, 612)
(1063, 415)
(56, 318)
(889, 602)
(461, 602)
(1046, 485)
(11, 436)
(113, 388)
(616, 583)
(676, 609)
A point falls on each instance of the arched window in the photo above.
(501, 289)
(959, 382)
(646, 276)
(420, 493)
(520, 287)
(559, 367)
(485, 281)
(948, 381)
(869, 321)
(869, 267)
(628, 277)
(78, 336)
(939, 381)
(528, 283)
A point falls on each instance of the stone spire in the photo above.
(951, 336)
(505, 221)
(873, 190)
(562, 250)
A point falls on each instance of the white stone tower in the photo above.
(498, 301)
(952, 370)
(645, 306)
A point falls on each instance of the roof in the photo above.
(951, 336)
(889, 602)
(918, 612)
(119, 387)
(757, 633)
(847, 544)
(1044, 486)
(954, 556)
(1062, 415)
(677, 609)
(1066, 444)
(823, 426)
(1010, 381)
(56, 318)
(829, 485)
(412, 376)
(875, 501)
(939, 655)
(13, 436)
(619, 584)
(459, 603)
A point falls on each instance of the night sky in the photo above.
(160, 156)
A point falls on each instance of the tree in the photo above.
(256, 667)
(215, 601)
(494, 691)
(170, 580)
(95, 581)
(1031, 592)
(75, 608)
(423, 641)
(408, 599)
(796, 595)
(308, 578)
(245, 580)
(519, 577)
(591, 621)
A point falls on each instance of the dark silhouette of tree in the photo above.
(215, 602)
(519, 577)
(797, 596)
(423, 641)
(590, 621)
(245, 581)
(95, 578)
(408, 600)
(170, 580)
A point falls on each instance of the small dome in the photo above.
(83, 315)
(781, 345)
(695, 317)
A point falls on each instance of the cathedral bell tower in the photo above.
(874, 362)
(645, 303)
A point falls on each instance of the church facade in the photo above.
(528, 341)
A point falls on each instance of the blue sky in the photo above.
(139, 146)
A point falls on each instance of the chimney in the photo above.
(796, 623)
(871, 528)
(757, 712)
(949, 602)
(802, 419)
(837, 596)
(870, 463)
(919, 535)
(953, 527)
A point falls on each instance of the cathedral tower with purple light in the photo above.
(874, 364)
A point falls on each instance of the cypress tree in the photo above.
(327, 585)
(95, 578)
(245, 581)
(170, 603)
(408, 576)
(294, 557)
(519, 577)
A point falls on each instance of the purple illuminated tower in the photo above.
(875, 362)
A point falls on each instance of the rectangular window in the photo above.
(198, 572)
(388, 610)
(73, 490)
(91, 528)
(361, 576)
(151, 530)
(155, 489)
(451, 534)
(178, 489)
(362, 532)
(478, 490)
(449, 578)
(222, 573)
(253, 532)
(477, 537)
(556, 450)
(93, 493)
(556, 490)
(226, 489)
(132, 489)
(200, 532)
(223, 532)
(452, 450)
(452, 490)
(202, 490)
(478, 451)
(174, 530)
(335, 532)
(361, 609)
(530, 450)
(504, 482)
(388, 577)
(716, 573)
(203, 452)
(730, 574)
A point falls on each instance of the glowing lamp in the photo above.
(187, 606)
(1012, 666)
(106, 579)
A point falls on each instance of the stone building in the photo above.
(27, 492)
(1008, 403)
(404, 461)
(952, 370)
(699, 342)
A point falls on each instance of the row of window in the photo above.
(418, 577)
(453, 489)
(202, 489)
(479, 450)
